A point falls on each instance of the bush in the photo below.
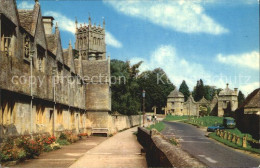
(63, 142)
(63, 136)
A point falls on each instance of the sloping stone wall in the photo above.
(161, 153)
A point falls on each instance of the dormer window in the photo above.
(7, 36)
(40, 58)
(27, 47)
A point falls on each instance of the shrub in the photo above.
(63, 142)
(63, 136)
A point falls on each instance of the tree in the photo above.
(124, 86)
(241, 98)
(198, 91)
(184, 89)
(209, 92)
(157, 87)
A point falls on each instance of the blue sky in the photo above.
(215, 40)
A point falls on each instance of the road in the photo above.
(206, 150)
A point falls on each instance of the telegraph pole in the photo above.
(143, 107)
(31, 89)
(54, 100)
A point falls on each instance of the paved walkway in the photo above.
(121, 150)
(64, 157)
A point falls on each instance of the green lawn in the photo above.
(233, 145)
(205, 121)
(175, 118)
(158, 126)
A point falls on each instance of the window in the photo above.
(27, 47)
(40, 58)
(7, 36)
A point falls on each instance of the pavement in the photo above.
(206, 150)
(121, 150)
(63, 157)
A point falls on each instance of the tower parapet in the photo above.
(90, 40)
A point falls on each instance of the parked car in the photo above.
(229, 122)
(214, 128)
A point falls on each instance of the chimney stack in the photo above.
(48, 24)
(236, 89)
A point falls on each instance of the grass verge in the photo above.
(158, 126)
(175, 118)
(205, 121)
(233, 145)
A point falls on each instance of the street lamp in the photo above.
(143, 106)
(31, 89)
(54, 68)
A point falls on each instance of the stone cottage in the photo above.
(248, 115)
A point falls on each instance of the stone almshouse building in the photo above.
(30, 48)
(225, 102)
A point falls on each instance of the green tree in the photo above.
(184, 89)
(198, 91)
(241, 98)
(157, 87)
(124, 86)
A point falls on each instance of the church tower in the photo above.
(90, 40)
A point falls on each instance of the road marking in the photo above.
(208, 159)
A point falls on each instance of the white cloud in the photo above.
(66, 24)
(112, 41)
(247, 60)
(25, 5)
(178, 69)
(250, 87)
(182, 16)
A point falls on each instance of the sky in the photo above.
(213, 40)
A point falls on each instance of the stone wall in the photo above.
(161, 153)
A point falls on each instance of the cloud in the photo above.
(112, 41)
(182, 16)
(66, 24)
(178, 69)
(25, 5)
(247, 60)
(250, 87)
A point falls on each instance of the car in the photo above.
(229, 123)
(214, 128)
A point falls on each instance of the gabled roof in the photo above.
(68, 56)
(51, 41)
(227, 92)
(252, 100)
(29, 18)
(26, 19)
(176, 93)
(203, 101)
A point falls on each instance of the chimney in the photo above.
(48, 23)
(236, 89)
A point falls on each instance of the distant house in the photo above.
(248, 115)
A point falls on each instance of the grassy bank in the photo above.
(233, 145)
(158, 126)
(205, 121)
(175, 118)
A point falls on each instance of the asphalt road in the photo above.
(206, 150)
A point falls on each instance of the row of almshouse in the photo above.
(29, 51)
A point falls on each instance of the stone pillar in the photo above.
(229, 136)
(1, 126)
(244, 142)
(234, 138)
(238, 140)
